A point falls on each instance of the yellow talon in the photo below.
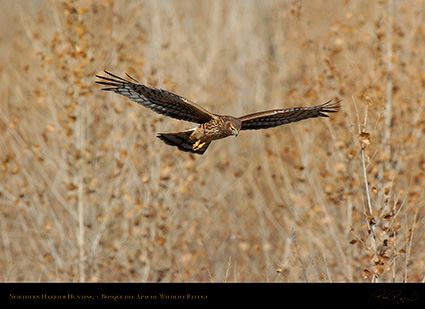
(198, 145)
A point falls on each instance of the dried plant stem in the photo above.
(228, 269)
(80, 192)
(292, 237)
(389, 81)
(368, 207)
(368, 210)
(81, 229)
(409, 246)
(364, 141)
(388, 76)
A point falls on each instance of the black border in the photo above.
(282, 294)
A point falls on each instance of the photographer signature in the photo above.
(396, 296)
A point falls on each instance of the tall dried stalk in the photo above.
(80, 146)
(364, 138)
(385, 38)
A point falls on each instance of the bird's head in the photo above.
(234, 126)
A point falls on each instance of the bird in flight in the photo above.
(211, 126)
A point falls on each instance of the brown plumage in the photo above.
(212, 126)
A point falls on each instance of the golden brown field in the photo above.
(89, 194)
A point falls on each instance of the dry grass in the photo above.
(89, 194)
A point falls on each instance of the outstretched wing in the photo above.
(277, 117)
(159, 100)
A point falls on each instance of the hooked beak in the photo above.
(235, 132)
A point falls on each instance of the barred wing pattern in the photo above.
(158, 100)
(211, 126)
(277, 117)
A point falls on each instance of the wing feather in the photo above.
(277, 117)
(159, 100)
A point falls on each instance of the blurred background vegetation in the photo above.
(89, 194)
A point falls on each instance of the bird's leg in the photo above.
(198, 145)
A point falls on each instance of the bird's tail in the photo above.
(182, 142)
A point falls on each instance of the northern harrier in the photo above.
(212, 126)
